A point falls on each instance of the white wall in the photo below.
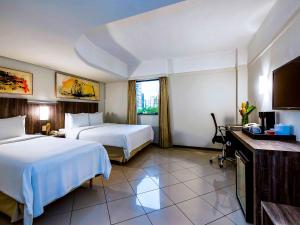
(116, 102)
(278, 49)
(43, 82)
(193, 96)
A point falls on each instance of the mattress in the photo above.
(128, 137)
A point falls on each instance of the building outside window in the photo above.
(147, 97)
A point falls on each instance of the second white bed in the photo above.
(128, 137)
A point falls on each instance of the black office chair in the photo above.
(219, 137)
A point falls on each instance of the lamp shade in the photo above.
(44, 112)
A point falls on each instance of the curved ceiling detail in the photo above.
(181, 35)
(100, 59)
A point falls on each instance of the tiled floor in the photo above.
(158, 187)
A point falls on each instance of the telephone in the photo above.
(54, 132)
(251, 125)
(253, 128)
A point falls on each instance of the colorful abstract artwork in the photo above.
(73, 87)
(15, 82)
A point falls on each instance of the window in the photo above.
(147, 93)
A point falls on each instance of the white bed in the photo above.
(127, 137)
(36, 170)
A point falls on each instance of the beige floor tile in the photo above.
(143, 185)
(238, 218)
(218, 181)
(125, 209)
(154, 170)
(141, 220)
(61, 219)
(135, 174)
(163, 180)
(154, 200)
(171, 167)
(115, 167)
(206, 170)
(115, 177)
(199, 211)
(203, 160)
(184, 175)
(60, 206)
(222, 201)
(229, 174)
(94, 215)
(85, 197)
(167, 216)
(231, 189)
(222, 221)
(179, 192)
(187, 164)
(118, 191)
(199, 186)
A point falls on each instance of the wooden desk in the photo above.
(276, 171)
(277, 214)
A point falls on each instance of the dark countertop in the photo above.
(267, 145)
(282, 214)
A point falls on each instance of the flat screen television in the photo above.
(286, 86)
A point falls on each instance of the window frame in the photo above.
(149, 114)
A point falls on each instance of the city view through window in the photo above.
(147, 93)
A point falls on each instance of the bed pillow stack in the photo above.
(76, 120)
(83, 119)
(95, 118)
(12, 127)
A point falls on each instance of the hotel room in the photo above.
(150, 112)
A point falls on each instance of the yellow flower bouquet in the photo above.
(245, 111)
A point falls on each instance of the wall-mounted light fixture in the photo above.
(44, 116)
(44, 112)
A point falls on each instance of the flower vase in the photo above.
(245, 119)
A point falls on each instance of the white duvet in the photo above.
(36, 170)
(128, 137)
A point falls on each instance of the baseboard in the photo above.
(198, 148)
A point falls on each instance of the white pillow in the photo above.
(95, 118)
(78, 120)
(12, 127)
(67, 121)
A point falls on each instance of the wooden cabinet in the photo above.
(276, 171)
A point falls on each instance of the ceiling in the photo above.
(106, 40)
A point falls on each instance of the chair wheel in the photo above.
(210, 161)
(221, 164)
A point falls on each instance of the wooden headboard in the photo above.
(10, 107)
(72, 107)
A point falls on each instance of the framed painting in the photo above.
(74, 87)
(15, 82)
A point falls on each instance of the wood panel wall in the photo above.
(10, 107)
(72, 107)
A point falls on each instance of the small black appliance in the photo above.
(267, 120)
